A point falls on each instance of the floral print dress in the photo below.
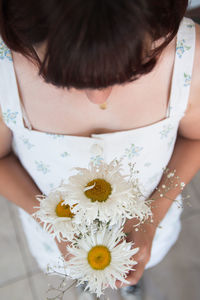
(49, 158)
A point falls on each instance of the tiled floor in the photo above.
(177, 277)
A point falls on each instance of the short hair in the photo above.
(91, 43)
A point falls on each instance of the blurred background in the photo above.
(177, 277)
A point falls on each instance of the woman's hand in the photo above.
(62, 246)
(143, 239)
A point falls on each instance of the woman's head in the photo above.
(91, 44)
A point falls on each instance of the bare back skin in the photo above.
(132, 105)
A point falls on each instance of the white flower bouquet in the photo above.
(90, 211)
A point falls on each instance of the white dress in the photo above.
(48, 158)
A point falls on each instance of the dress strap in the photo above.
(11, 107)
(25, 117)
(183, 66)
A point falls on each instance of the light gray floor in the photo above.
(177, 277)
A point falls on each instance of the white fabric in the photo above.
(48, 158)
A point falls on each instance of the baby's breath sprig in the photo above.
(63, 286)
(60, 291)
(171, 182)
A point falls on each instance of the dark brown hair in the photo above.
(90, 43)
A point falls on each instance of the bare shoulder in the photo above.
(5, 138)
(190, 124)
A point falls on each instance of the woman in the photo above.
(60, 61)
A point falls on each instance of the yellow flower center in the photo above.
(99, 257)
(64, 210)
(100, 192)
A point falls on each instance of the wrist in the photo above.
(134, 225)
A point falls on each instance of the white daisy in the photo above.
(102, 192)
(100, 258)
(56, 216)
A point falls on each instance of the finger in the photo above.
(68, 256)
(133, 276)
(120, 284)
